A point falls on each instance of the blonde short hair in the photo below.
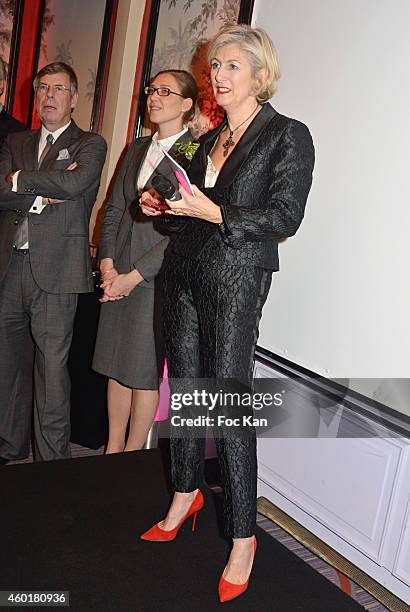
(260, 51)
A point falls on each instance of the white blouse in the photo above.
(154, 156)
(211, 174)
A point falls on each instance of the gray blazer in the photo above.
(59, 244)
(124, 223)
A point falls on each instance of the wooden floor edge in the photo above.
(328, 554)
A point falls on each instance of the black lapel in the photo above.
(180, 156)
(241, 151)
(71, 134)
(165, 167)
(30, 150)
(197, 169)
(243, 147)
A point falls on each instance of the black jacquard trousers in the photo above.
(211, 319)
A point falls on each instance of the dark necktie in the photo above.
(49, 144)
(21, 236)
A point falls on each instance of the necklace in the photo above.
(229, 142)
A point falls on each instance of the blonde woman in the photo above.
(251, 176)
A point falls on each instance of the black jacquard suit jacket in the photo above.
(262, 190)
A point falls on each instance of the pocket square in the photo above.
(63, 154)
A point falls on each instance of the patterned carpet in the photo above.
(348, 586)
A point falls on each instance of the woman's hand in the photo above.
(150, 196)
(198, 206)
(122, 285)
(108, 272)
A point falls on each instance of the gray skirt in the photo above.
(126, 341)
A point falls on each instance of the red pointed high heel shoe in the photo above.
(229, 590)
(156, 534)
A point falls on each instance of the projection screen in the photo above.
(340, 306)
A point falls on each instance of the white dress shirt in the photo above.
(155, 154)
(38, 206)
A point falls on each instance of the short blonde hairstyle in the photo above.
(260, 51)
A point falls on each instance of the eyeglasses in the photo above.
(43, 88)
(161, 91)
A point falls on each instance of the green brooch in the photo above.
(187, 148)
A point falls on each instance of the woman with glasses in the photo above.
(128, 346)
(251, 178)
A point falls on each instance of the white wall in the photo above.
(341, 304)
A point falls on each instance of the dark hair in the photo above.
(55, 68)
(187, 87)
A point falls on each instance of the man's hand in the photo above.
(47, 201)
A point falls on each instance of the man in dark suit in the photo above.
(49, 180)
(7, 123)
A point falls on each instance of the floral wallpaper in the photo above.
(71, 33)
(184, 27)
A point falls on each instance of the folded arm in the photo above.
(8, 199)
(65, 184)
